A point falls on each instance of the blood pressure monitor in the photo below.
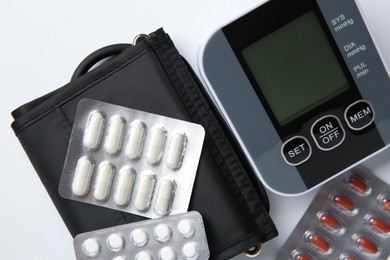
(302, 87)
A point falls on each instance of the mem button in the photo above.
(296, 150)
(328, 133)
(359, 115)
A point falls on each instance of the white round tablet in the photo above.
(143, 256)
(162, 233)
(190, 251)
(139, 237)
(166, 253)
(119, 258)
(91, 247)
(115, 242)
(186, 228)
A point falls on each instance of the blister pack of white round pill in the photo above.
(130, 160)
(179, 236)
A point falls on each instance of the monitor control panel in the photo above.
(302, 87)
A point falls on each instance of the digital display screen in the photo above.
(295, 68)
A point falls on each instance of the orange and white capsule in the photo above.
(377, 224)
(344, 204)
(329, 222)
(318, 242)
(365, 244)
(301, 255)
(358, 184)
(348, 256)
(384, 201)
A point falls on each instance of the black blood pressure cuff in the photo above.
(153, 77)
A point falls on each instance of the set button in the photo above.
(328, 133)
(296, 150)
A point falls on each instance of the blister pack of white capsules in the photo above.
(130, 160)
(173, 237)
(349, 219)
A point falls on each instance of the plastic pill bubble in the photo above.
(344, 204)
(103, 181)
(124, 185)
(329, 222)
(318, 242)
(114, 134)
(91, 247)
(156, 145)
(115, 242)
(94, 129)
(190, 251)
(143, 256)
(136, 138)
(377, 224)
(162, 233)
(144, 192)
(300, 255)
(348, 256)
(82, 176)
(166, 253)
(186, 228)
(175, 150)
(119, 258)
(164, 197)
(385, 202)
(365, 244)
(139, 237)
(357, 184)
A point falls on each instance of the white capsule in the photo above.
(144, 192)
(114, 134)
(82, 176)
(136, 138)
(164, 197)
(103, 181)
(190, 251)
(124, 186)
(156, 145)
(175, 150)
(93, 130)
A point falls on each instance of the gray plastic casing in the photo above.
(235, 97)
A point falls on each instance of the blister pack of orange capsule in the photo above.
(349, 219)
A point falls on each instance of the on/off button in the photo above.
(328, 133)
(296, 150)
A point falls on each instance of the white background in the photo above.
(41, 44)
